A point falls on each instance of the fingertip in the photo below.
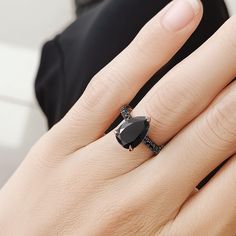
(180, 14)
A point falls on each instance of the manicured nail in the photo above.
(180, 14)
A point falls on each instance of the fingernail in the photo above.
(180, 14)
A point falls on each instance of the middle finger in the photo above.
(181, 95)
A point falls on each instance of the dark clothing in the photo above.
(84, 5)
(73, 57)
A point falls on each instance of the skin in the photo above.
(76, 181)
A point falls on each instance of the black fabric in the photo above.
(72, 58)
(84, 5)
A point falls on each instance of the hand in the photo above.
(75, 181)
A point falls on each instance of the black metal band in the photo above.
(126, 114)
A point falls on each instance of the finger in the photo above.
(193, 153)
(213, 210)
(189, 88)
(180, 96)
(120, 80)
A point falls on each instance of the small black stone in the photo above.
(132, 132)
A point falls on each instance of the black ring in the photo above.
(133, 131)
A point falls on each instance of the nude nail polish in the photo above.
(180, 14)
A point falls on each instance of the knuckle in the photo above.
(226, 115)
(145, 42)
(90, 102)
(208, 135)
(39, 159)
(113, 215)
(221, 125)
(127, 213)
(103, 88)
(94, 92)
(164, 106)
(159, 111)
(140, 49)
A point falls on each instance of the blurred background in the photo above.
(24, 26)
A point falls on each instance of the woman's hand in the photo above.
(76, 181)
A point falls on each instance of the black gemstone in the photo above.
(132, 132)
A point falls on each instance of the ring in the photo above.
(133, 131)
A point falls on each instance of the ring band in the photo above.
(133, 131)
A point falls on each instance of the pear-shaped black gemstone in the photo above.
(132, 132)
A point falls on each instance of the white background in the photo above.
(24, 26)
